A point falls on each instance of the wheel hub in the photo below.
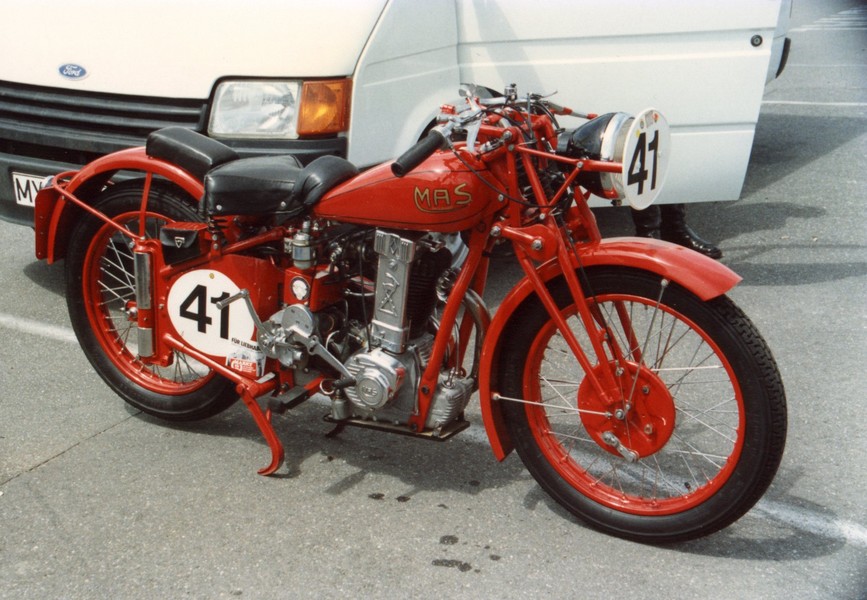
(639, 411)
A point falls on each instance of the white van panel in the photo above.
(408, 69)
(691, 59)
(694, 61)
(177, 49)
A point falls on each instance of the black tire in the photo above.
(705, 425)
(100, 291)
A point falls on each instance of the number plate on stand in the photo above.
(195, 316)
(645, 158)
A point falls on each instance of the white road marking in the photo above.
(808, 521)
(61, 334)
(805, 103)
(814, 522)
(854, 19)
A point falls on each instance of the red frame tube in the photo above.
(52, 222)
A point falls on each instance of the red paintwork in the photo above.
(440, 195)
(261, 278)
(50, 220)
(657, 410)
(248, 390)
(326, 289)
(704, 277)
(649, 424)
(106, 332)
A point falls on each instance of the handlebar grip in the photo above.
(413, 157)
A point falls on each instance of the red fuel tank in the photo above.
(440, 195)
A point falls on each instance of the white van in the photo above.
(363, 79)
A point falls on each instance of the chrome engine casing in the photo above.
(371, 398)
(389, 327)
(378, 377)
(372, 369)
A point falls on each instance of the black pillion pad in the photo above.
(254, 186)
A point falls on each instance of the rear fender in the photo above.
(55, 216)
(704, 277)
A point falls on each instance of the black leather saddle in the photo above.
(261, 185)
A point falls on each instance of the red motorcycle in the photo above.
(635, 392)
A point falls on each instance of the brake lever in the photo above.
(473, 134)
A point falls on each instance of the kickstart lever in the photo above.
(242, 295)
(298, 334)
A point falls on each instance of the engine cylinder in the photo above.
(389, 309)
(421, 297)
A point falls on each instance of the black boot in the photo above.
(674, 229)
(647, 222)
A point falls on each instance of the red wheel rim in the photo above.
(674, 472)
(108, 288)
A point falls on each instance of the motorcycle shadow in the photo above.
(462, 464)
(51, 278)
(400, 468)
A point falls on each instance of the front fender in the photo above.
(704, 277)
(54, 214)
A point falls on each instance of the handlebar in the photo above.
(469, 121)
(413, 157)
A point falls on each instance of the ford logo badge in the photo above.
(72, 71)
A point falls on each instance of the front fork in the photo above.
(543, 242)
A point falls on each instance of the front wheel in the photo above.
(686, 439)
(101, 297)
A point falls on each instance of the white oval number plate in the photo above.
(196, 318)
(645, 158)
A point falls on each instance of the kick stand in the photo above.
(249, 391)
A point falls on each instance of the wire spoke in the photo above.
(705, 409)
(115, 283)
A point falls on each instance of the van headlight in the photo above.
(274, 109)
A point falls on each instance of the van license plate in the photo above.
(26, 187)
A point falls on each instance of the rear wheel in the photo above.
(101, 297)
(689, 436)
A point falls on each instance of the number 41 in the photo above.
(199, 296)
(637, 167)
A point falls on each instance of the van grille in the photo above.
(75, 126)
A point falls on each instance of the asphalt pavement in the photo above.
(97, 500)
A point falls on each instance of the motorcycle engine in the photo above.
(388, 371)
(383, 342)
